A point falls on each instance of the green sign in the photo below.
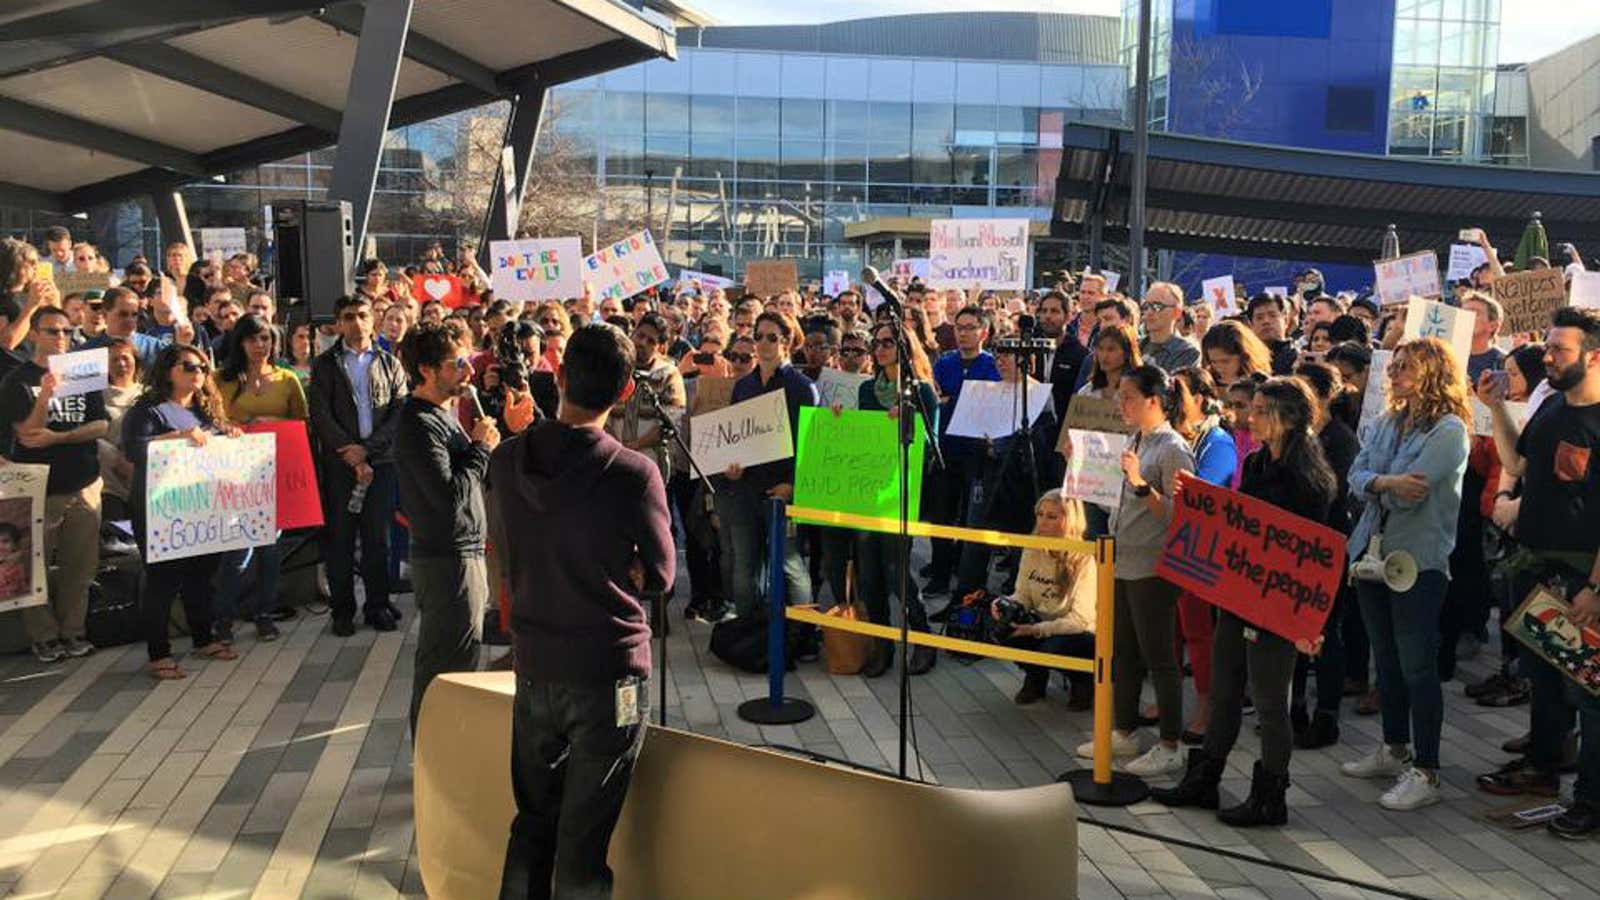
(850, 463)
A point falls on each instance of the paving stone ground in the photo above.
(287, 774)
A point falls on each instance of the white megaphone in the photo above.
(1397, 571)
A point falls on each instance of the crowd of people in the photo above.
(406, 403)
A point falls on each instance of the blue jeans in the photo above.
(746, 533)
(1404, 632)
(235, 565)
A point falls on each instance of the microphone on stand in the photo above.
(869, 277)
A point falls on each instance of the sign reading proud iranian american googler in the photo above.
(989, 253)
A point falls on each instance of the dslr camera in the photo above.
(1010, 614)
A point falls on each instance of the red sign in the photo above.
(446, 289)
(299, 504)
(1267, 566)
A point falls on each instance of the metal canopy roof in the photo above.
(105, 99)
(1287, 203)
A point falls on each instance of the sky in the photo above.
(1522, 37)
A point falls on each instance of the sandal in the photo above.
(166, 670)
(217, 650)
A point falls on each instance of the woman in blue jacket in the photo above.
(1408, 475)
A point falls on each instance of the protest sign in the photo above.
(1377, 392)
(1094, 473)
(905, 270)
(444, 288)
(836, 282)
(225, 243)
(77, 282)
(1398, 280)
(707, 280)
(1277, 290)
(22, 568)
(625, 268)
(223, 496)
(44, 270)
(770, 277)
(850, 463)
(1451, 324)
(299, 501)
(1463, 259)
(1483, 416)
(1112, 280)
(709, 393)
(536, 269)
(1086, 412)
(992, 409)
(1221, 295)
(744, 434)
(837, 388)
(80, 373)
(1586, 289)
(990, 253)
(1529, 298)
(1543, 624)
(1265, 565)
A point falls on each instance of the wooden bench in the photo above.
(709, 819)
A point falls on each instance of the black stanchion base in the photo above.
(1124, 789)
(763, 712)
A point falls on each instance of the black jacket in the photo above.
(441, 481)
(333, 404)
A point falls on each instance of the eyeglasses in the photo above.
(1153, 307)
(736, 357)
(193, 367)
(770, 337)
(462, 363)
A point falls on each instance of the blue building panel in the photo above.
(1265, 18)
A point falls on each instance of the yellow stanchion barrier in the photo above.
(945, 532)
(813, 616)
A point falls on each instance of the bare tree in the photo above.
(1223, 84)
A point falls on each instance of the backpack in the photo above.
(742, 643)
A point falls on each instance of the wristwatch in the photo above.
(1143, 490)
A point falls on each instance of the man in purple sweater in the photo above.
(592, 537)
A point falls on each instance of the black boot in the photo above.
(1264, 806)
(1199, 784)
(922, 660)
(881, 659)
(1323, 732)
(1033, 687)
(1299, 722)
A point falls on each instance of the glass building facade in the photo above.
(1442, 97)
(745, 155)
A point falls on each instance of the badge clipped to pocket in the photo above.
(627, 702)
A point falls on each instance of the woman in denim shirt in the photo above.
(1408, 474)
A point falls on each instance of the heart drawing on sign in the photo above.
(437, 288)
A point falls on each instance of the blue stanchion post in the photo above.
(776, 709)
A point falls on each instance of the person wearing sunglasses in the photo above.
(180, 402)
(855, 353)
(741, 356)
(38, 427)
(1162, 344)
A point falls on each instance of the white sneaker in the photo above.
(1380, 763)
(1414, 790)
(1122, 746)
(1158, 760)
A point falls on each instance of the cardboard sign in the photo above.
(225, 243)
(838, 388)
(199, 500)
(990, 253)
(1463, 259)
(1086, 412)
(990, 409)
(82, 372)
(1543, 624)
(1585, 291)
(536, 269)
(1451, 324)
(23, 581)
(625, 268)
(69, 283)
(1221, 295)
(444, 288)
(1483, 416)
(836, 282)
(850, 463)
(1529, 298)
(710, 393)
(1398, 280)
(1265, 565)
(1094, 473)
(770, 277)
(299, 501)
(746, 434)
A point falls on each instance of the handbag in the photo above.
(845, 651)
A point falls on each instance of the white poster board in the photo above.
(1585, 290)
(222, 242)
(1112, 280)
(625, 268)
(706, 279)
(988, 409)
(1463, 259)
(1094, 473)
(1451, 324)
(513, 200)
(1220, 295)
(841, 389)
(1398, 280)
(904, 270)
(223, 496)
(989, 253)
(536, 269)
(746, 434)
(1377, 391)
(1276, 290)
(1483, 416)
(82, 372)
(22, 569)
(836, 282)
